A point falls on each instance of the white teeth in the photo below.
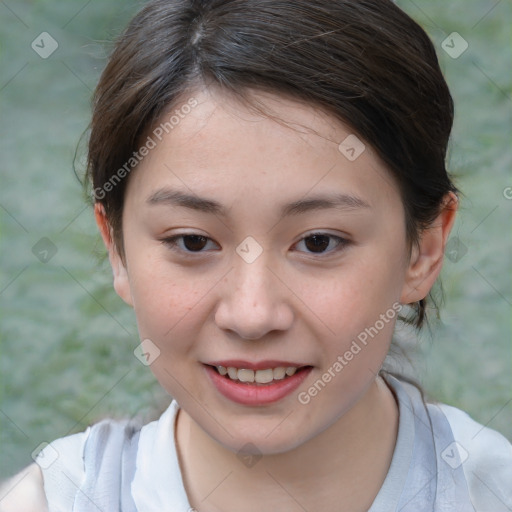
(279, 373)
(245, 375)
(263, 376)
(258, 376)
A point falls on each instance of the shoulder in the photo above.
(51, 481)
(98, 460)
(486, 459)
(24, 492)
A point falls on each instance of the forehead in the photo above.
(212, 145)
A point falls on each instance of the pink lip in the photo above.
(260, 365)
(256, 394)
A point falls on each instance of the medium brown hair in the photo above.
(365, 62)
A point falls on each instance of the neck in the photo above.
(350, 459)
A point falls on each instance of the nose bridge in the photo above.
(253, 302)
(252, 280)
(252, 275)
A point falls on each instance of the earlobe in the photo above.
(427, 256)
(120, 273)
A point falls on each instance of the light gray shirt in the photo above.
(443, 462)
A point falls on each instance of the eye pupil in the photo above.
(198, 242)
(319, 242)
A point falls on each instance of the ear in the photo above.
(426, 258)
(121, 279)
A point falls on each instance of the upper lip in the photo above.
(259, 365)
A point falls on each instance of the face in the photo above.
(259, 247)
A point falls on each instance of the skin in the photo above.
(289, 304)
(24, 492)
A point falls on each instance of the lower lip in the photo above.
(256, 394)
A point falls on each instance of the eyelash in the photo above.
(171, 242)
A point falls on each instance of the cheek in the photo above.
(357, 306)
(164, 298)
(354, 296)
(168, 309)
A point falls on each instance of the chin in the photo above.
(269, 435)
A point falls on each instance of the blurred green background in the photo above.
(67, 341)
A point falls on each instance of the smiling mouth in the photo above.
(262, 377)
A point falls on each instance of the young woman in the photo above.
(270, 183)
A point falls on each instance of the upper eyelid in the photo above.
(320, 232)
(173, 238)
(308, 234)
(341, 239)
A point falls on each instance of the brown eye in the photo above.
(323, 243)
(191, 243)
(194, 242)
(317, 243)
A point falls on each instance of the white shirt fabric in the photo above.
(465, 468)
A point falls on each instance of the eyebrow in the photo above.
(170, 197)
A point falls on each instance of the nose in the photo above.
(254, 301)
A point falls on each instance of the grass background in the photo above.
(66, 353)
